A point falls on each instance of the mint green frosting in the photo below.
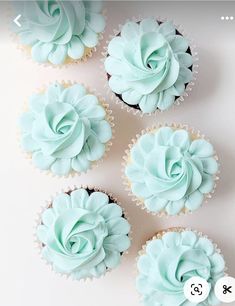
(59, 29)
(170, 172)
(65, 129)
(83, 234)
(170, 261)
(149, 64)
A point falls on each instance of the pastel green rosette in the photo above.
(65, 129)
(83, 233)
(149, 64)
(169, 172)
(56, 30)
(170, 260)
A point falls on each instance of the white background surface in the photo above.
(25, 279)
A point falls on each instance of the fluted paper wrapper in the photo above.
(195, 134)
(178, 100)
(108, 117)
(38, 221)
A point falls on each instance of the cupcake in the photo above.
(65, 129)
(169, 260)
(83, 233)
(59, 32)
(149, 65)
(170, 170)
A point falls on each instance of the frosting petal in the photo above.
(79, 198)
(210, 165)
(80, 163)
(40, 51)
(156, 204)
(111, 212)
(26, 121)
(178, 43)
(97, 199)
(103, 130)
(96, 22)
(57, 55)
(201, 148)
(29, 144)
(118, 226)
(61, 203)
(61, 166)
(173, 208)
(94, 149)
(42, 161)
(112, 259)
(76, 48)
(194, 201)
(118, 242)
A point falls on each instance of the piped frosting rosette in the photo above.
(83, 233)
(149, 65)
(170, 170)
(59, 32)
(172, 257)
(66, 130)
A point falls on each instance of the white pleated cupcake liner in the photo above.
(38, 221)
(177, 101)
(109, 117)
(160, 234)
(26, 49)
(195, 134)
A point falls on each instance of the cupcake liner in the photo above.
(177, 101)
(160, 233)
(48, 203)
(26, 49)
(109, 117)
(195, 134)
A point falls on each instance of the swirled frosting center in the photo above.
(56, 30)
(173, 259)
(83, 233)
(65, 129)
(169, 172)
(149, 64)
